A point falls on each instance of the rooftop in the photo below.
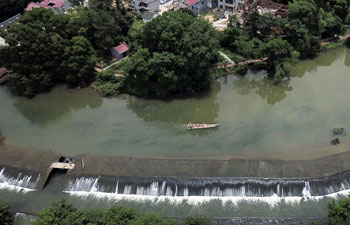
(123, 47)
(191, 2)
(46, 4)
(3, 71)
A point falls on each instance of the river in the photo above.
(258, 119)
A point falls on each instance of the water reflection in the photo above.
(263, 87)
(48, 107)
(347, 57)
(311, 65)
(203, 108)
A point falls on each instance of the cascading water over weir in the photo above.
(21, 181)
(241, 188)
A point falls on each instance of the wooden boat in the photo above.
(194, 126)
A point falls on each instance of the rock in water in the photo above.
(335, 141)
(338, 131)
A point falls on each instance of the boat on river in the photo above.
(197, 126)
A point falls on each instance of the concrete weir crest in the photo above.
(241, 178)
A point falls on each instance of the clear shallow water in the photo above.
(258, 119)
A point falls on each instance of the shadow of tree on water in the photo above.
(49, 107)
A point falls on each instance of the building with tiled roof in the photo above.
(197, 6)
(58, 6)
(120, 51)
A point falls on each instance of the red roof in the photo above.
(191, 2)
(3, 71)
(123, 47)
(46, 4)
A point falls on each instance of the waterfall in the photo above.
(267, 189)
(18, 181)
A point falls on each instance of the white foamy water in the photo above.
(197, 200)
(153, 192)
(19, 183)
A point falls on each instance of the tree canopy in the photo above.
(6, 217)
(176, 51)
(10, 8)
(45, 48)
(64, 213)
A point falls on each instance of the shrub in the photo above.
(242, 69)
(6, 217)
(105, 76)
(109, 89)
(347, 42)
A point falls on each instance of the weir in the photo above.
(211, 187)
(14, 180)
(178, 178)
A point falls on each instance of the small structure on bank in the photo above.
(230, 5)
(120, 51)
(197, 6)
(266, 6)
(3, 75)
(141, 6)
(57, 6)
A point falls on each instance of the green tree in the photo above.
(262, 26)
(178, 51)
(57, 213)
(79, 61)
(339, 8)
(35, 51)
(231, 33)
(278, 51)
(118, 216)
(152, 219)
(100, 4)
(249, 48)
(330, 25)
(76, 2)
(135, 34)
(298, 36)
(6, 217)
(9, 8)
(104, 29)
(307, 12)
(339, 212)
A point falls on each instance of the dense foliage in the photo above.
(63, 213)
(45, 48)
(6, 217)
(174, 54)
(338, 212)
(285, 40)
(10, 8)
(171, 55)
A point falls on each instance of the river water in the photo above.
(258, 119)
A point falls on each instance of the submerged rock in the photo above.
(338, 131)
(335, 141)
